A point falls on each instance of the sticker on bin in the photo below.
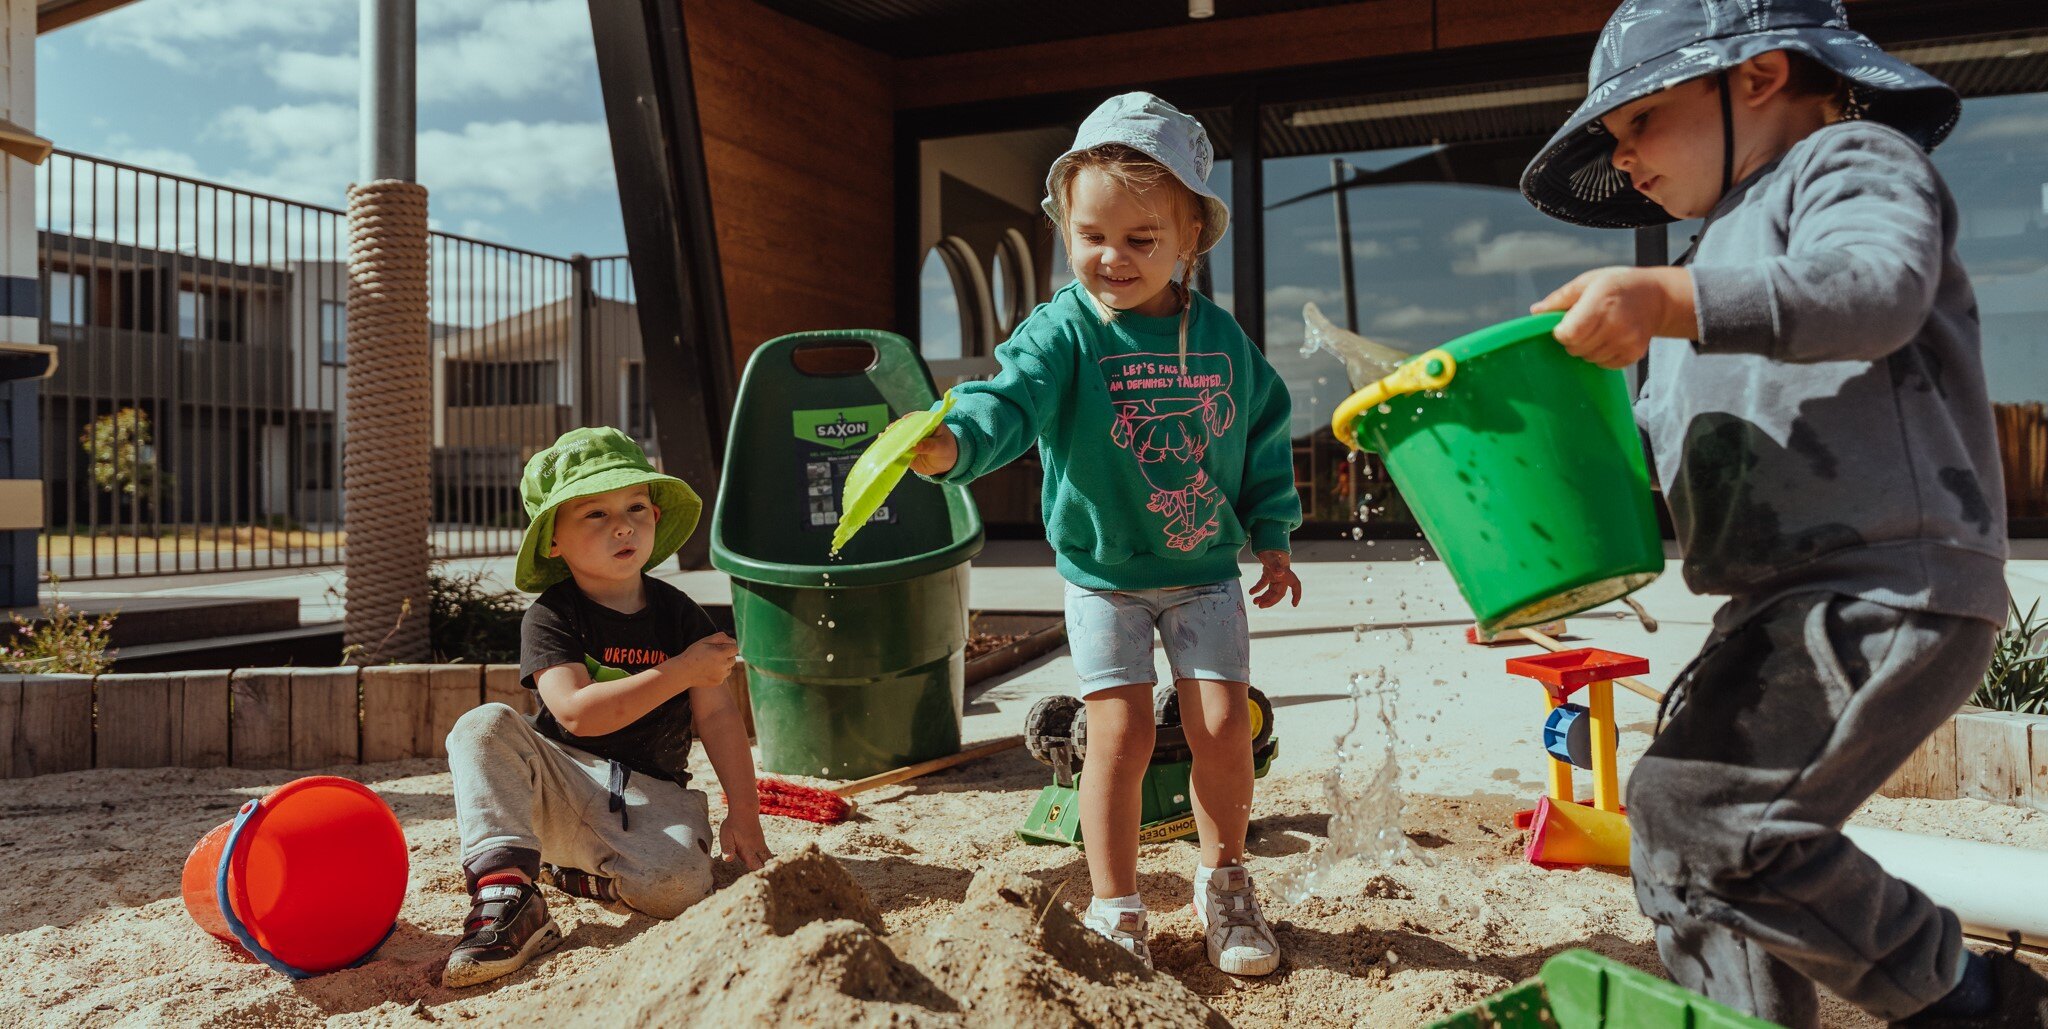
(829, 439)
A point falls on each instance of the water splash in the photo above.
(1362, 791)
(1365, 362)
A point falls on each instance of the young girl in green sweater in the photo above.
(1165, 437)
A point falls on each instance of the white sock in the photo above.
(1109, 907)
(1203, 872)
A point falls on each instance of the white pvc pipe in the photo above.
(1993, 888)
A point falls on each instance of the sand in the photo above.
(923, 910)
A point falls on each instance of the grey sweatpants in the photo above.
(521, 797)
(1777, 732)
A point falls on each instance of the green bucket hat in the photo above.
(585, 463)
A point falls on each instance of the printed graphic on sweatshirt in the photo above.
(1167, 416)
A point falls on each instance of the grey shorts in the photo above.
(1203, 628)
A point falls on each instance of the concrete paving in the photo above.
(1464, 725)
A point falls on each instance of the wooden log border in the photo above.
(1997, 756)
(303, 718)
(291, 718)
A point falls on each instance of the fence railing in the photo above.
(199, 411)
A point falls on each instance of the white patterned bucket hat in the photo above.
(1161, 132)
(1652, 45)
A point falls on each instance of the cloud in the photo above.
(309, 152)
(174, 31)
(1531, 251)
(516, 50)
(323, 74)
(1361, 249)
(527, 164)
(1415, 316)
(1468, 234)
(1288, 299)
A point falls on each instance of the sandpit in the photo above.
(923, 910)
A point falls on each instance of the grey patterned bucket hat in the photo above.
(1652, 45)
(1160, 131)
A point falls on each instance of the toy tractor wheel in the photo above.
(1262, 719)
(1053, 724)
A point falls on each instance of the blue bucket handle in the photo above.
(242, 933)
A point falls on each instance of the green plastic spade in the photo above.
(880, 468)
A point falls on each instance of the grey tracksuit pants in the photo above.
(521, 797)
(1777, 732)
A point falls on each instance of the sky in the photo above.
(261, 95)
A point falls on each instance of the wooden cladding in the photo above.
(797, 126)
(1226, 46)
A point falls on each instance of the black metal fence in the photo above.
(199, 410)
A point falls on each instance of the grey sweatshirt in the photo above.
(1831, 428)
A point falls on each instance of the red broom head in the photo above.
(810, 803)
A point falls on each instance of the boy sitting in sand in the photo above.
(1819, 415)
(628, 670)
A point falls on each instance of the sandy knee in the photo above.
(481, 723)
(671, 891)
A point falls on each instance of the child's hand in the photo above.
(707, 662)
(935, 454)
(1277, 580)
(740, 839)
(1613, 312)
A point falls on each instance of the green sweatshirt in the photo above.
(1155, 476)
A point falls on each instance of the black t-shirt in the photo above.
(565, 627)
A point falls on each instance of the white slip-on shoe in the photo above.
(1125, 928)
(1240, 941)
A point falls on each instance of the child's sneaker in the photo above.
(578, 883)
(1124, 927)
(1240, 941)
(508, 926)
(2021, 998)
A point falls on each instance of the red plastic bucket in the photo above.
(308, 879)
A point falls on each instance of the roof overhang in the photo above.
(55, 14)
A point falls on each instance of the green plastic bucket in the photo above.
(1524, 467)
(1578, 989)
(856, 664)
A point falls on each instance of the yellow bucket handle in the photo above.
(1431, 369)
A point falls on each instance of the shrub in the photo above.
(471, 621)
(64, 640)
(2018, 677)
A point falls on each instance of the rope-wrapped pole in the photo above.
(387, 462)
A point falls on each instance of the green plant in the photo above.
(63, 640)
(2018, 677)
(122, 451)
(472, 621)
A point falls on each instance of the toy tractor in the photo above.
(1056, 733)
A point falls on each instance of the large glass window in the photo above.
(333, 332)
(1398, 215)
(1436, 239)
(1996, 164)
(70, 300)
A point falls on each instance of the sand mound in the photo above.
(801, 943)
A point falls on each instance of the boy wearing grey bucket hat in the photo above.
(1817, 407)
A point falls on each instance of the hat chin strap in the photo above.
(1727, 136)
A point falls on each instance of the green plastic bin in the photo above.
(856, 664)
(1524, 468)
(1578, 989)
